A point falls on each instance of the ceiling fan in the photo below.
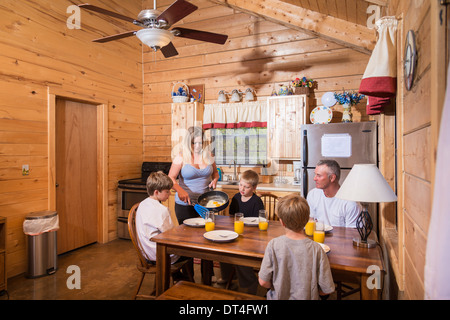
(155, 24)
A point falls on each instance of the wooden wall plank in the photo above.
(39, 54)
(259, 54)
(415, 156)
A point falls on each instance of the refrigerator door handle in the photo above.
(305, 149)
(305, 182)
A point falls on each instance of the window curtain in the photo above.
(379, 82)
(235, 115)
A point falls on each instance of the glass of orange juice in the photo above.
(210, 221)
(319, 232)
(309, 228)
(239, 223)
(263, 223)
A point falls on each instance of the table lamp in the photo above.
(365, 184)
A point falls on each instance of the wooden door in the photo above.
(76, 173)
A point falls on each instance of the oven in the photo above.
(132, 191)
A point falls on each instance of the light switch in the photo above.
(25, 170)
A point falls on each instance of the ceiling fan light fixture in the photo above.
(155, 38)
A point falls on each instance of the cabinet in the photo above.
(2, 254)
(286, 114)
(184, 116)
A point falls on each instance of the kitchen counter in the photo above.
(265, 187)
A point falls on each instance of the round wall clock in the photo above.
(410, 60)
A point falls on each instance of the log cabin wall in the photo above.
(258, 54)
(406, 238)
(39, 56)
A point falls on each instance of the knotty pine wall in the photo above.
(258, 54)
(39, 54)
(415, 157)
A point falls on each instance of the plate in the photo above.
(324, 247)
(251, 221)
(328, 99)
(221, 235)
(321, 115)
(194, 222)
(328, 229)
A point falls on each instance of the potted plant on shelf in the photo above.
(348, 99)
(303, 85)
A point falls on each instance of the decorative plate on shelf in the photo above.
(321, 115)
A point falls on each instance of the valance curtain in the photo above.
(235, 115)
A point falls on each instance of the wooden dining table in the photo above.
(248, 250)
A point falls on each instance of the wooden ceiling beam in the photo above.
(382, 3)
(351, 35)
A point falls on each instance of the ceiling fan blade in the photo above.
(202, 35)
(107, 12)
(169, 50)
(177, 11)
(115, 37)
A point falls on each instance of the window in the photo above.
(246, 146)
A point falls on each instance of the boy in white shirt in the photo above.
(153, 218)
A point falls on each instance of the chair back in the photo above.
(270, 203)
(133, 234)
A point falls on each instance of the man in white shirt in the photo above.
(323, 204)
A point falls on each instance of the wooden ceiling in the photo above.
(354, 11)
(340, 21)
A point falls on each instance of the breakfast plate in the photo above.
(194, 222)
(251, 221)
(324, 247)
(220, 235)
(321, 115)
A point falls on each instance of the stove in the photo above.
(132, 191)
(146, 169)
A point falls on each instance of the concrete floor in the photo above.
(108, 272)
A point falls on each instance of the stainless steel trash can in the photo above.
(41, 247)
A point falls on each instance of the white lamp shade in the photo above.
(365, 183)
(155, 37)
(222, 97)
(249, 95)
(235, 97)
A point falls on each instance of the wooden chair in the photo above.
(270, 202)
(343, 282)
(143, 266)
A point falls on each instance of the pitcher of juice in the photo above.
(319, 232)
(239, 223)
(309, 228)
(263, 224)
(210, 221)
